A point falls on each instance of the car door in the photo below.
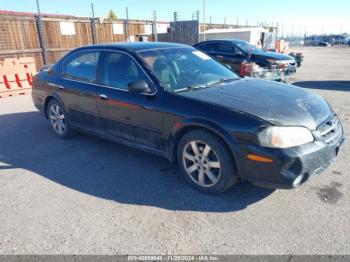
(230, 55)
(79, 76)
(211, 48)
(133, 117)
(225, 53)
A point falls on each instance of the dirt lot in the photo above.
(89, 196)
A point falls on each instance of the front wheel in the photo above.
(206, 162)
(59, 119)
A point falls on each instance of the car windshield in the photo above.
(248, 48)
(183, 69)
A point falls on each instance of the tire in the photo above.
(211, 169)
(58, 119)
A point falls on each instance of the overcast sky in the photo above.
(296, 16)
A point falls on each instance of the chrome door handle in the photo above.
(219, 57)
(56, 86)
(103, 97)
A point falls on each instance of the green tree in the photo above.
(112, 15)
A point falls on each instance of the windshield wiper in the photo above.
(221, 81)
(190, 88)
(194, 87)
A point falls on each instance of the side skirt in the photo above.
(126, 142)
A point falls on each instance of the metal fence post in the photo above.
(155, 26)
(41, 33)
(174, 29)
(93, 31)
(93, 25)
(127, 25)
(41, 36)
(199, 26)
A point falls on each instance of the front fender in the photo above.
(185, 125)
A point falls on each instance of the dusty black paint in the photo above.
(272, 101)
(234, 112)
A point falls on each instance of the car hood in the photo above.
(277, 103)
(270, 55)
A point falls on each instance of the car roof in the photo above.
(234, 41)
(135, 46)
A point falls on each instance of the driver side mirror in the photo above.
(140, 87)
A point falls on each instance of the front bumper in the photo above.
(290, 167)
(290, 70)
(278, 74)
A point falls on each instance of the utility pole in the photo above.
(155, 26)
(127, 24)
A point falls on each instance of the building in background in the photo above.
(264, 37)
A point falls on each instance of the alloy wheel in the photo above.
(57, 118)
(201, 163)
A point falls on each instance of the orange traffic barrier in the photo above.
(278, 46)
(16, 75)
(281, 46)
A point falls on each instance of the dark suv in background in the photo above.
(234, 52)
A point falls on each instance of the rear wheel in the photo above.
(59, 119)
(206, 162)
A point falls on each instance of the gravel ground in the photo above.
(89, 196)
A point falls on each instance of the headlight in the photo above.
(285, 136)
(281, 63)
(272, 61)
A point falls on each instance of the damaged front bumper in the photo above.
(290, 167)
(274, 73)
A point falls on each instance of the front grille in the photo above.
(331, 131)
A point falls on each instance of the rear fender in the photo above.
(51, 96)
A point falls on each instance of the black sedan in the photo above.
(234, 52)
(177, 102)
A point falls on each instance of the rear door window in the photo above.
(208, 47)
(82, 67)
